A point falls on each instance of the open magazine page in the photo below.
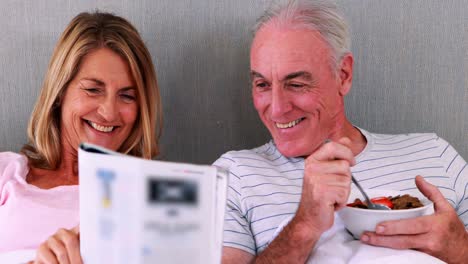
(141, 211)
(221, 190)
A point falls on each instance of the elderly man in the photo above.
(283, 195)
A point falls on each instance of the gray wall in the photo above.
(410, 72)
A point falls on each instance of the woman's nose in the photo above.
(108, 109)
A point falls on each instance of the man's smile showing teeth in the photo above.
(101, 128)
(290, 124)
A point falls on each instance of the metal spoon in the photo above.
(370, 204)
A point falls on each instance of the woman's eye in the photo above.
(128, 97)
(92, 90)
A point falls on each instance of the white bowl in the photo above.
(358, 220)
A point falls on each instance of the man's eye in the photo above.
(296, 85)
(261, 85)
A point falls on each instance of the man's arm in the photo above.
(291, 246)
(234, 255)
(326, 187)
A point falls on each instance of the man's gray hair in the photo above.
(320, 15)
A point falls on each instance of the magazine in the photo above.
(134, 210)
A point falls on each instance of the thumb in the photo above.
(433, 194)
(345, 141)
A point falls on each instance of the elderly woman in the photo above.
(101, 88)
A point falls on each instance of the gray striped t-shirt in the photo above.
(265, 187)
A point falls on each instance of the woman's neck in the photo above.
(65, 174)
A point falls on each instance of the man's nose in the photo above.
(108, 109)
(280, 103)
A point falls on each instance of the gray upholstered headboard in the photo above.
(411, 67)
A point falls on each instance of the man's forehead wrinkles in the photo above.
(281, 76)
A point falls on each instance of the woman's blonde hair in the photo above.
(85, 33)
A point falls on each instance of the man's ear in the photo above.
(345, 73)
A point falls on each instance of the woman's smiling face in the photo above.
(100, 104)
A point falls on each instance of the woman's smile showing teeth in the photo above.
(100, 128)
(290, 124)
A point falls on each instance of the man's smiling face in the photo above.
(296, 93)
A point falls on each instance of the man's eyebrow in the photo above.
(302, 74)
(254, 74)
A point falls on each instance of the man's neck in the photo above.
(358, 140)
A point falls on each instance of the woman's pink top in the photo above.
(28, 214)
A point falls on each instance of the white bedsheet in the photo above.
(337, 246)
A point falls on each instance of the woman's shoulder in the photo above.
(9, 157)
(12, 165)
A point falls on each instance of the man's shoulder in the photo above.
(405, 140)
(262, 152)
(395, 137)
(402, 145)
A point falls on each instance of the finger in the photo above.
(71, 242)
(333, 151)
(45, 255)
(328, 194)
(73, 248)
(58, 249)
(329, 167)
(336, 180)
(433, 194)
(412, 226)
(396, 242)
(336, 196)
(75, 255)
(345, 141)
